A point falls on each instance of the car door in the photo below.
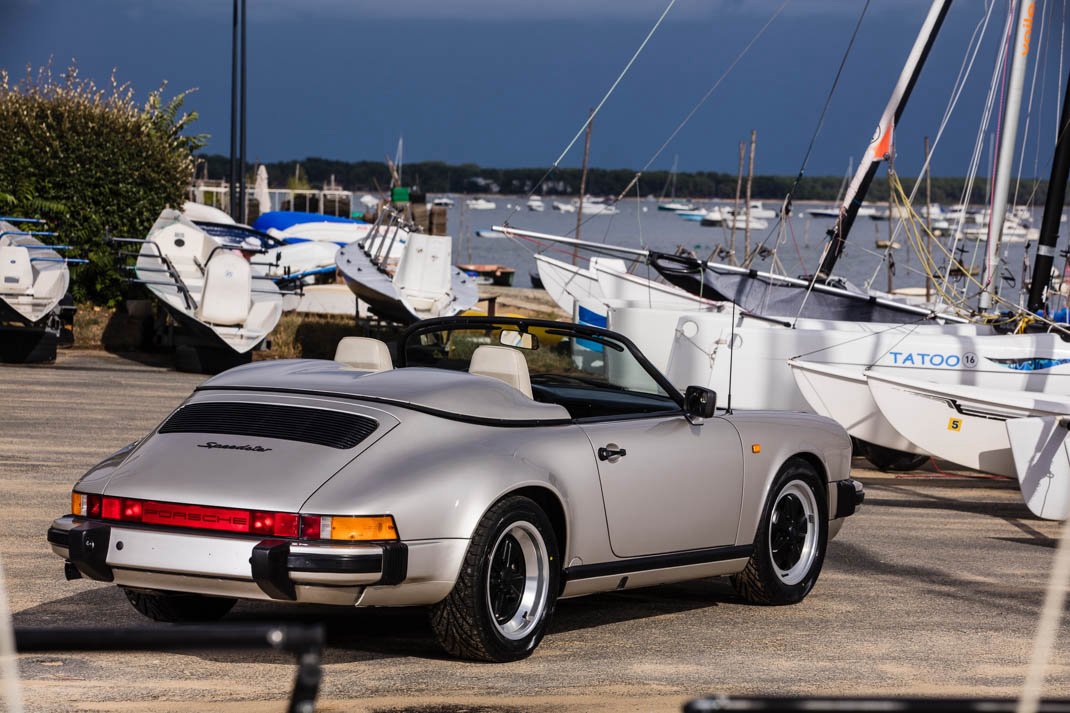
(668, 485)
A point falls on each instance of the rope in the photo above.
(705, 97)
(965, 69)
(824, 110)
(598, 108)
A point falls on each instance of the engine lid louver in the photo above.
(334, 429)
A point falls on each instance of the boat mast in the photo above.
(583, 181)
(867, 167)
(1005, 159)
(1053, 209)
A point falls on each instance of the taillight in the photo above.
(257, 522)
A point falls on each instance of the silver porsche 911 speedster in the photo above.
(499, 465)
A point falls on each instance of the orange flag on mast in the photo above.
(883, 145)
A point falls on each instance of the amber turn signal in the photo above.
(363, 528)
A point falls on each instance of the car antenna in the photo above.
(731, 358)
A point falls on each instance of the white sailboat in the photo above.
(480, 204)
(566, 283)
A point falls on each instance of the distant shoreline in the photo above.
(470, 179)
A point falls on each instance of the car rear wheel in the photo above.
(178, 608)
(505, 593)
(789, 547)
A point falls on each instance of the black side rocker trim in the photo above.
(642, 564)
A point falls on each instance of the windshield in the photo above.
(591, 373)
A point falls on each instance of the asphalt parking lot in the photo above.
(932, 589)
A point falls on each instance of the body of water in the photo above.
(640, 224)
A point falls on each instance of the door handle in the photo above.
(611, 454)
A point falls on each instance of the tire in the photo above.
(776, 574)
(891, 460)
(483, 618)
(178, 608)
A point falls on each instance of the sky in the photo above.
(507, 83)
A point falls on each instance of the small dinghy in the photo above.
(424, 284)
(212, 290)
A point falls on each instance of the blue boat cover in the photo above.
(283, 219)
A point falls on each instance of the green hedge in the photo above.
(92, 161)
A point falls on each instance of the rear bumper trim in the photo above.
(850, 494)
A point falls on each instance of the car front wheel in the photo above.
(504, 596)
(789, 547)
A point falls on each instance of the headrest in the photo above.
(364, 354)
(504, 364)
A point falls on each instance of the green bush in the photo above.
(92, 161)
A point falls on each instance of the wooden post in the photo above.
(928, 220)
(583, 182)
(735, 207)
(750, 179)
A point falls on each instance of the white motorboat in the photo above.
(563, 207)
(758, 210)
(210, 289)
(740, 222)
(424, 284)
(714, 218)
(443, 201)
(33, 275)
(831, 212)
(693, 215)
(676, 206)
(535, 204)
(480, 204)
(599, 208)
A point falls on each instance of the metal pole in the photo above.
(243, 208)
(234, 114)
(746, 208)
(928, 220)
(1004, 163)
(735, 206)
(1053, 209)
(583, 180)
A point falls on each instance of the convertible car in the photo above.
(488, 468)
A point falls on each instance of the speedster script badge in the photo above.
(230, 447)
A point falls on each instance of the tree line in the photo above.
(469, 178)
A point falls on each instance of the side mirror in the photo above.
(700, 402)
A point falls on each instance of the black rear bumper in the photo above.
(850, 494)
(271, 561)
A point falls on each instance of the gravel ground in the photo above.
(933, 588)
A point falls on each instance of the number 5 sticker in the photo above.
(954, 424)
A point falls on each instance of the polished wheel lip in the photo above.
(793, 532)
(520, 545)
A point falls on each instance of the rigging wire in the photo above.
(973, 47)
(598, 108)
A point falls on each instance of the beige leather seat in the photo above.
(228, 290)
(364, 354)
(504, 364)
(16, 273)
